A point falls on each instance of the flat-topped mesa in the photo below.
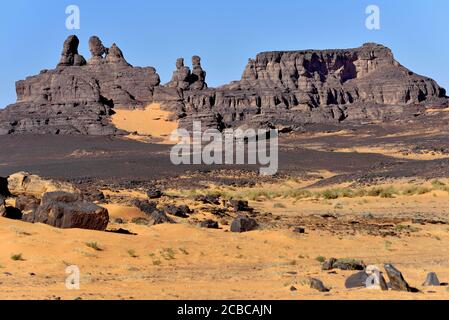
(339, 77)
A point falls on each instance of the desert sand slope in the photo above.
(151, 122)
(185, 262)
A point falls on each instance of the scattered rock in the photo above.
(68, 210)
(431, 280)
(208, 199)
(181, 211)
(154, 193)
(243, 224)
(292, 288)
(343, 264)
(318, 285)
(145, 206)
(397, 281)
(299, 230)
(159, 217)
(209, 224)
(240, 205)
(357, 280)
(118, 221)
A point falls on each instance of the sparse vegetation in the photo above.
(94, 245)
(132, 253)
(320, 259)
(17, 257)
(168, 253)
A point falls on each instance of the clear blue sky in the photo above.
(224, 33)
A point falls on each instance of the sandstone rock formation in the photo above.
(70, 56)
(78, 98)
(55, 203)
(282, 89)
(26, 184)
(67, 210)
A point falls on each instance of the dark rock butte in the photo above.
(281, 89)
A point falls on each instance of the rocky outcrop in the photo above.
(279, 89)
(67, 210)
(26, 184)
(69, 55)
(78, 98)
(55, 203)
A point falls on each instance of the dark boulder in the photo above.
(2, 206)
(181, 211)
(145, 206)
(431, 280)
(343, 264)
(27, 205)
(158, 217)
(68, 210)
(300, 230)
(154, 193)
(318, 285)
(208, 199)
(243, 224)
(209, 224)
(363, 279)
(240, 205)
(397, 281)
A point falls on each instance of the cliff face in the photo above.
(277, 89)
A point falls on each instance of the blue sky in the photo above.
(224, 33)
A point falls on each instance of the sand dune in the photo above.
(151, 124)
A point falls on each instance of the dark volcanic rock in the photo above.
(209, 224)
(240, 205)
(66, 210)
(27, 205)
(343, 264)
(318, 285)
(181, 211)
(243, 224)
(159, 217)
(360, 280)
(154, 193)
(397, 281)
(145, 206)
(431, 280)
(208, 199)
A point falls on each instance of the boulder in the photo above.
(27, 184)
(27, 205)
(361, 279)
(154, 193)
(198, 76)
(209, 224)
(240, 205)
(145, 206)
(318, 285)
(431, 280)
(243, 224)
(68, 210)
(343, 264)
(158, 217)
(397, 281)
(181, 211)
(208, 199)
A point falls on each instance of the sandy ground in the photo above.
(183, 261)
(151, 124)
